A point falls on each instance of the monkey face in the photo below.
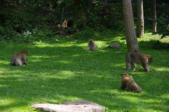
(149, 58)
(90, 40)
(22, 52)
(126, 77)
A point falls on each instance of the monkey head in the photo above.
(126, 77)
(24, 52)
(128, 83)
(150, 59)
(90, 40)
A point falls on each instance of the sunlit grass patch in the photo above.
(65, 70)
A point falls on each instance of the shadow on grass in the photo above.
(154, 44)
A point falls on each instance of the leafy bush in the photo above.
(87, 33)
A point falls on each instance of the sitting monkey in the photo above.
(135, 57)
(19, 59)
(63, 25)
(92, 45)
(128, 83)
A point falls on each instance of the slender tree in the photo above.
(140, 18)
(131, 39)
(105, 2)
(1, 3)
(154, 17)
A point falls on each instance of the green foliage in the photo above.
(36, 35)
(28, 36)
(163, 18)
(6, 33)
(163, 21)
(87, 33)
(22, 16)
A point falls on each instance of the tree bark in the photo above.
(1, 3)
(140, 18)
(154, 17)
(105, 2)
(131, 39)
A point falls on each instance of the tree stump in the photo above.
(75, 106)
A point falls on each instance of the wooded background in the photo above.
(18, 16)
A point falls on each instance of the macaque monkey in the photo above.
(19, 59)
(135, 57)
(63, 25)
(128, 83)
(61, 28)
(92, 45)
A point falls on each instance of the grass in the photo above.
(65, 70)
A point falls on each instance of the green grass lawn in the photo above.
(65, 70)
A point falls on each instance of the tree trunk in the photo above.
(1, 3)
(131, 39)
(154, 17)
(140, 18)
(105, 2)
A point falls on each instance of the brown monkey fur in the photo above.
(63, 25)
(135, 57)
(19, 59)
(92, 45)
(128, 83)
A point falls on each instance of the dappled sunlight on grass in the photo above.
(43, 44)
(146, 39)
(165, 96)
(100, 43)
(65, 74)
(161, 69)
(65, 71)
(1, 86)
(82, 44)
(6, 101)
(165, 40)
(63, 61)
(132, 99)
(5, 62)
(151, 100)
(149, 35)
